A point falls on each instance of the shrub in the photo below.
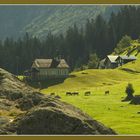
(93, 61)
(129, 91)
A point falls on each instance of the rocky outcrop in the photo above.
(51, 120)
(40, 114)
(53, 116)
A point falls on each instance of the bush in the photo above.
(129, 91)
(93, 61)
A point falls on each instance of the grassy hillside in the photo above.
(94, 79)
(133, 49)
(107, 109)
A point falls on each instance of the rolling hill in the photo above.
(133, 49)
(38, 20)
(106, 77)
(108, 109)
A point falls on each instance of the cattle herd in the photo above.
(87, 93)
(72, 93)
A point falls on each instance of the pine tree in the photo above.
(129, 91)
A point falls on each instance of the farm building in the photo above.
(110, 62)
(113, 61)
(43, 69)
(121, 60)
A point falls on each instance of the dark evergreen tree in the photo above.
(98, 36)
(129, 91)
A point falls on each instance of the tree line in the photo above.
(82, 47)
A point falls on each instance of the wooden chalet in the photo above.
(113, 61)
(43, 69)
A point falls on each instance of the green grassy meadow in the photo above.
(108, 109)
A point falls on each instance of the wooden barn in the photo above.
(121, 60)
(43, 69)
(113, 61)
(110, 62)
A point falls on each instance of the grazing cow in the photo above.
(87, 93)
(68, 93)
(106, 92)
(75, 93)
(52, 94)
(58, 97)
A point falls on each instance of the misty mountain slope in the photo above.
(38, 20)
(14, 18)
(63, 17)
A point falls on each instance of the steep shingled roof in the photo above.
(112, 58)
(126, 57)
(50, 63)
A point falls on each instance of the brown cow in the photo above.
(75, 93)
(87, 93)
(52, 94)
(58, 97)
(68, 93)
(107, 92)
